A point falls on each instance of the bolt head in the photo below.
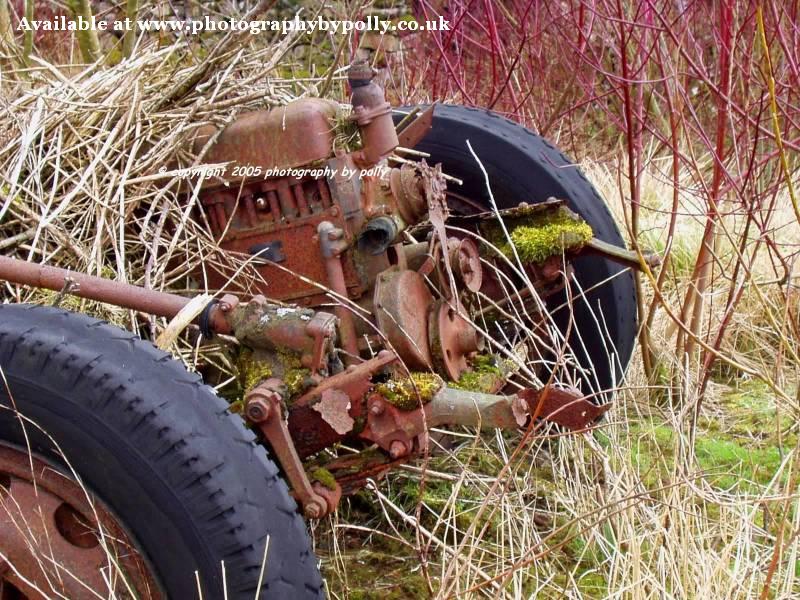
(258, 410)
(398, 449)
(313, 510)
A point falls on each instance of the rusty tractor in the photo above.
(391, 301)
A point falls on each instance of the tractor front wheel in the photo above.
(123, 475)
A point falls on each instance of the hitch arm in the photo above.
(264, 408)
(623, 256)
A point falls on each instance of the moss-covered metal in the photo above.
(540, 235)
(485, 377)
(252, 370)
(256, 366)
(407, 393)
(324, 477)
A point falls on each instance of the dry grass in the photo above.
(88, 176)
(656, 503)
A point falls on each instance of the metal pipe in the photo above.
(623, 256)
(473, 409)
(125, 295)
(274, 207)
(332, 244)
(300, 199)
(373, 115)
(286, 199)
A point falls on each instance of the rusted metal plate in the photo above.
(566, 407)
(452, 339)
(413, 133)
(263, 406)
(353, 470)
(402, 301)
(294, 278)
(310, 432)
(334, 407)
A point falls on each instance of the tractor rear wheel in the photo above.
(122, 474)
(599, 319)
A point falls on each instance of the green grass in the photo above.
(380, 568)
(739, 448)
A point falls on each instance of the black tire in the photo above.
(160, 449)
(524, 167)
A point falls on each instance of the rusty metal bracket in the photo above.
(354, 381)
(264, 408)
(332, 243)
(565, 407)
(412, 133)
(352, 471)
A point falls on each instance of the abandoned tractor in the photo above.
(484, 285)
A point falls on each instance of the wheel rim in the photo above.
(57, 541)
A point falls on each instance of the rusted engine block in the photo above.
(276, 218)
(338, 231)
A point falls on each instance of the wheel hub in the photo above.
(453, 338)
(57, 541)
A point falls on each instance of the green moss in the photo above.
(463, 503)
(375, 567)
(73, 303)
(256, 366)
(289, 360)
(324, 477)
(738, 449)
(406, 393)
(730, 465)
(251, 371)
(296, 380)
(485, 376)
(539, 236)
(113, 57)
(476, 381)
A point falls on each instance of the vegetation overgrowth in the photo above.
(683, 114)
